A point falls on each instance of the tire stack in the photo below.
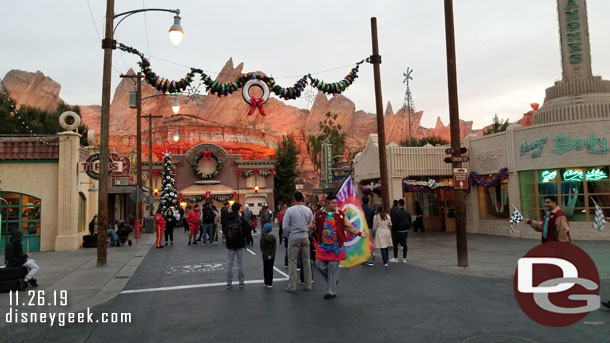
(90, 241)
(9, 278)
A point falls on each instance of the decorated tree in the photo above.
(169, 194)
(286, 170)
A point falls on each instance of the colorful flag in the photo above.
(600, 218)
(357, 249)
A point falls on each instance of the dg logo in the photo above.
(557, 284)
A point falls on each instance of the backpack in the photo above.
(234, 232)
(208, 215)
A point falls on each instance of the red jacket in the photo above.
(552, 234)
(192, 218)
(159, 222)
(319, 219)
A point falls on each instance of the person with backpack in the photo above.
(234, 234)
(268, 245)
(207, 223)
(401, 230)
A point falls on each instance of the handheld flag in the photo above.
(600, 218)
(357, 249)
(514, 219)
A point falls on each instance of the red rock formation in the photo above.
(33, 89)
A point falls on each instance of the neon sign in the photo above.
(573, 175)
(548, 175)
(596, 174)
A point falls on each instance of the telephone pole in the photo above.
(454, 123)
(150, 117)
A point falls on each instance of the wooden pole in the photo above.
(102, 210)
(139, 202)
(150, 117)
(454, 123)
(383, 165)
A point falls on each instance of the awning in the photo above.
(202, 189)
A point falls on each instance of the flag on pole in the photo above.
(357, 249)
(515, 218)
(600, 218)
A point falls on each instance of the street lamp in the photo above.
(176, 105)
(176, 136)
(175, 32)
(109, 44)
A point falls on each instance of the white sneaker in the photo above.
(385, 265)
(393, 260)
(404, 260)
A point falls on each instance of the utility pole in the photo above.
(150, 117)
(103, 213)
(138, 77)
(375, 59)
(454, 123)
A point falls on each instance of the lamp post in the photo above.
(150, 117)
(109, 44)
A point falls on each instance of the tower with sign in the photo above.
(169, 194)
(579, 95)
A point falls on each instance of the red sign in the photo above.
(120, 166)
(460, 178)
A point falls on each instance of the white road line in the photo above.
(281, 272)
(252, 252)
(202, 285)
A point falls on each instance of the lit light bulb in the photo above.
(176, 33)
(176, 136)
(176, 105)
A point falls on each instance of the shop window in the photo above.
(493, 201)
(23, 212)
(575, 188)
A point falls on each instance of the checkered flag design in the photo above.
(600, 218)
(514, 219)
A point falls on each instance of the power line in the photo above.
(146, 27)
(100, 37)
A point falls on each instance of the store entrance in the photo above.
(437, 207)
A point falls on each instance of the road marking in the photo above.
(281, 272)
(201, 285)
(252, 252)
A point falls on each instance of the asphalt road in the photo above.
(185, 300)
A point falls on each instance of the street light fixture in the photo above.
(175, 32)
(109, 44)
(176, 105)
(176, 136)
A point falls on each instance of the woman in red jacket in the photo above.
(159, 226)
(192, 218)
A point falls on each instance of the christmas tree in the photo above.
(169, 195)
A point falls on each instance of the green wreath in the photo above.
(199, 173)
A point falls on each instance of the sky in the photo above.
(508, 52)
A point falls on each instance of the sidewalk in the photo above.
(77, 273)
(489, 256)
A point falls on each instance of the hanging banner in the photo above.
(357, 249)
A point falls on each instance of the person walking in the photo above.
(159, 226)
(183, 218)
(368, 215)
(234, 234)
(247, 216)
(268, 246)
(280, 218)
(330, 225)
(555, 226)
(224, 212)
(216, 221)
(170, 224)
(265, 216)
(401, 230)
(296, 224)
(382, 228)
(192, 219)
(207, 223)
(15, 257)
(419, 218)
(394, 221)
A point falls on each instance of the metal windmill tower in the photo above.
(408, 100)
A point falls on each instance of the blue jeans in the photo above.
(240, 265)
(208, 231)
(113, 236)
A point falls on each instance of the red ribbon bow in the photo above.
(254, 104)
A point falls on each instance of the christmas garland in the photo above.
(207, 155)
(373, 187)
(248, 173)
(475, 178)
(223, 89)
(220, 198)
(420, 186)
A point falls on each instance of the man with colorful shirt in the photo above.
(330, 225)
(555, 225)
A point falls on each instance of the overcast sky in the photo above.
(507, 51)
